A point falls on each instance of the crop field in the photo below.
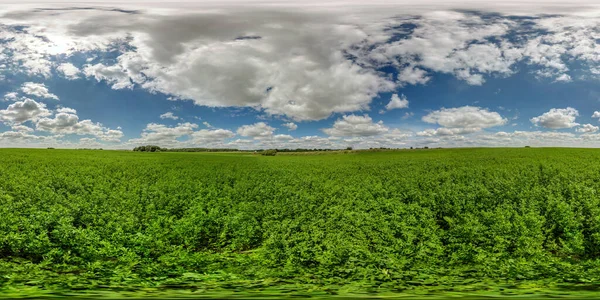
(432, 222)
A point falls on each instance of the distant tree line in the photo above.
(149, 148)
(200, 150)
(305, 150)
(270, 152)
(154, 148)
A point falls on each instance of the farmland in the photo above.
(394, 222)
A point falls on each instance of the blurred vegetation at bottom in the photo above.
(459, 222)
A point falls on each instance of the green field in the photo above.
(428, 222)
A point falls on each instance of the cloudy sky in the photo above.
(299, 74)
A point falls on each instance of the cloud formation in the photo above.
(557, 118)
(292, 62)
(169, 115)
(37, 90)
(256, 130)
(23, 111)
(465, 117)
(397, 102)
(354, 125)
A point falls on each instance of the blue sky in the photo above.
(286, 74)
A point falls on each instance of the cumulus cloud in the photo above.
(65, 121)
(587, 128)
(291, 126)
(446, 131)
(113, 74)
(256, 130)
(68, 70)
(111, 135)
(596, 114)
(454, 43)
(21, 136)
(283, 137)
(465, 117)
(354, 125)
(182, 135)
(557, 118)
(12, 96)
(161, 134)
(205, 136)
(216, 66)
(412, 75)
(397, 102)
(293, 62)
(38, 90)
(282, 59)
(67, 110)
(23, 111)
(169, 115)
(563, 78)
(21, 128)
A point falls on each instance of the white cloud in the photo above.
(290, 126)
(65, 121)
(181, 136)
(68, 70)
(412, 75)
(212, 66)
(12, 96)
(303, 64)
(257, 130)
(596, 114)
(447, 131)
(407, 115)
(283, 137)
(451, 42)
(564, 78)
(111, 135)
(465, 117)
(169, 115)
(38, 90)
(21, 128)
(397, 102)
(164, 135)
(113, 74)
(587, 128)
(18, 136)
(328, 67)
(67, 110)
(205, 136)
(353, 125)
(557, 118)
(207, 124)
(23, 111)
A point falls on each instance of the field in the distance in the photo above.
(443, 221)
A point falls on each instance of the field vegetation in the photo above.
(363, 223)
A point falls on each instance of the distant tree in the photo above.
(270, 152)
(348, 148)
(148, 148)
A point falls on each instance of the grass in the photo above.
(431, 223)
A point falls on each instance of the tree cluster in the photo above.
(149, 148)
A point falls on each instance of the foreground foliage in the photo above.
(366, 222)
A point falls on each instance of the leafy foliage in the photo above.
(394, 220)
(270, 152)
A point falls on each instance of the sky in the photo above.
(251, 74)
